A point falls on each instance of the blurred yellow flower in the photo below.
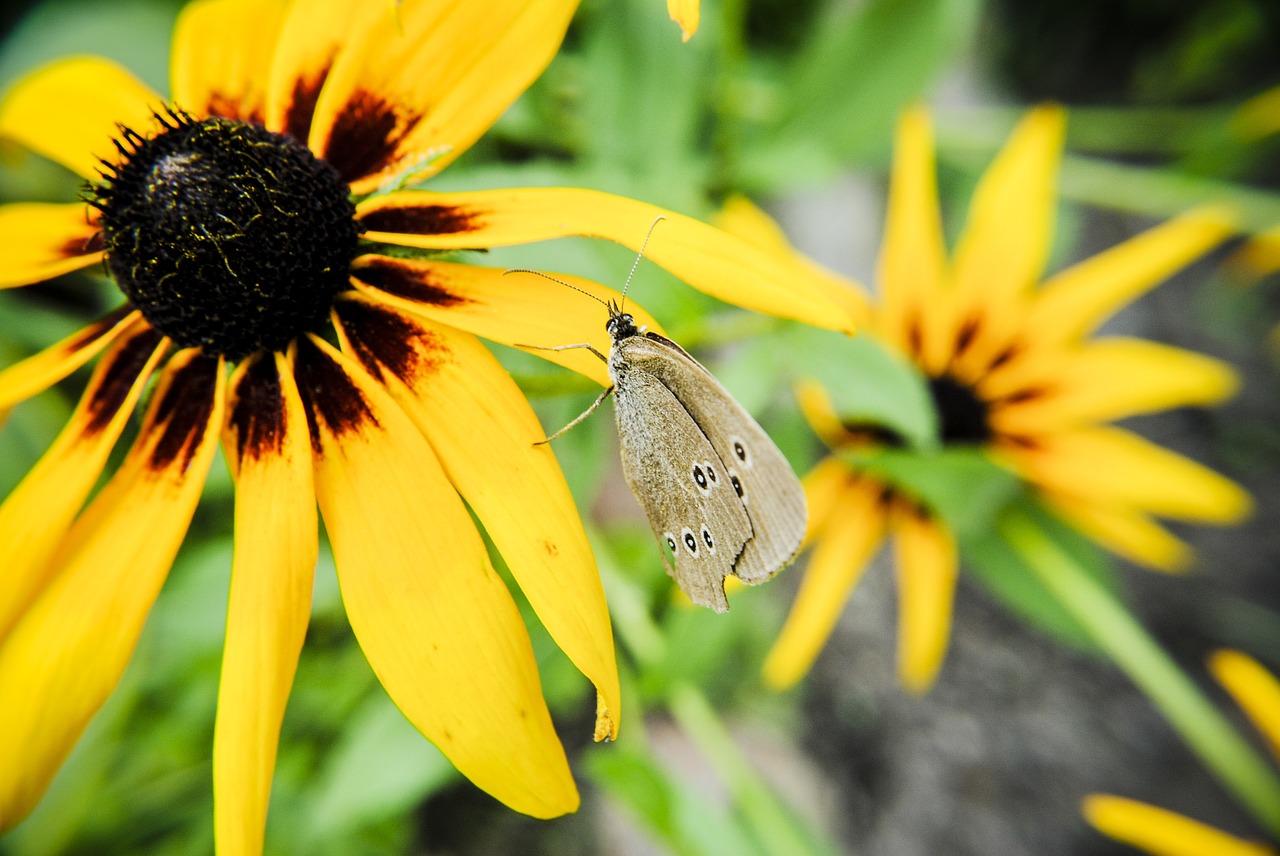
(686, 13)
(1011, 371)
(1166, 833)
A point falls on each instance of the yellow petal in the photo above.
(1258, 117)
(686, 14)
(68, 650)
(915, 313)
(488, 440)
(36, 515)
(1111, 379)
(823, 487)
(39, 241)
(926, 565)
(741, 218)
(819, 411)
(1113, 466)
(436, 622)
(1161, 832)
(270, 601)
(515, 309)
(37, 373)
(221, 56)
(710, 260)
(840, 555)
(70, 111)
(1073, 302)
(1254, 688)
(311, 37)
(429, 83)
(1124, 531)
(1260, 255)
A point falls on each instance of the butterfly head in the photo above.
(621, 325)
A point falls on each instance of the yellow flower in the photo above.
(243, 218)
(1011, 371)
(1166, 833)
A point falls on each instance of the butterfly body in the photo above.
(716, 490)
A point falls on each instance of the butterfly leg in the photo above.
(592, 409)
(580, 346)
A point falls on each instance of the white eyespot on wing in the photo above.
(737, 486)
(671, 541)
(708, 540)
(712, 476)
(700, 478)
(690, 541)
(741, 451)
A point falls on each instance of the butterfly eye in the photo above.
(690, 541)
(700, 479)
(708, 540)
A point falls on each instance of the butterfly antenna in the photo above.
(639, 256)
(559, 280)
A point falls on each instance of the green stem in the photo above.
(1119, 634)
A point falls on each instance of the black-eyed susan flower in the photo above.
(1011, 369)
(1165, 833)
(241, 218)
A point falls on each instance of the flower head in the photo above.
(245, 220)
(1011, 370)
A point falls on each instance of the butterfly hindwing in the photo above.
(682, 484)
(759, 473)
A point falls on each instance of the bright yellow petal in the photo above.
(1124, 531)
(270, 601)
(436, 622)
(488, 440)
(38, 511)
(1073, 302)
(69, 111)
(1161, 832)
(221, 56)
(816, 407)
(915, 306)
(686, 14)
(741, 218)
(707, 258)
(430, 83)
(37, 373)
(1112, 466)
(311, 37)
(39, 241)
(1111, 379)
(840, 555)
(514, 309)
(926, 566)
(1254, 688)
(68, 650)
(1260, 255)
(823, 487)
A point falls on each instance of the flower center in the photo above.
(962, 416)
(226, 236)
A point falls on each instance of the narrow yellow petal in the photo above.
(1073, 302)
(710, 260)
(1258, 117)
(66, 653)
(39, 241)
(1254, 688)
(1161, 832)
(914, 314)
(685, 13)
(927, 566)
(429, 82)
(823, 487)
(853, 532)
(38, 511)
(221, 57)
(1124, 531)
(436, 622)
(1113, 466)
(1111, 379)
(69, 111)
(1260, 255)
(515, 309)
(741, 218)
(270, 600)
(37, 373)
(818, 410)
(312, 35)
(489, 442)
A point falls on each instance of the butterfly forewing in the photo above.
(759, 474)
(683, 485)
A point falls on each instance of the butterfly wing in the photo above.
(769, 490)
(681, 483)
